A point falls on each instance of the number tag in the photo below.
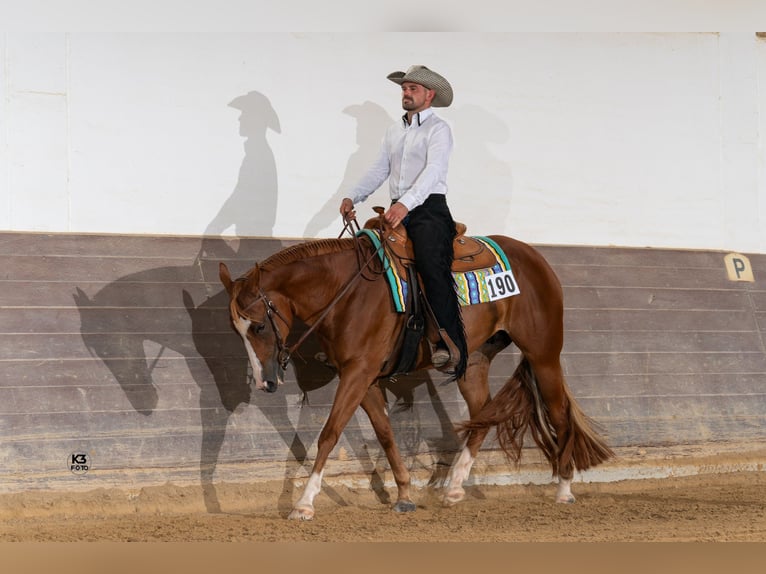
(501, 285)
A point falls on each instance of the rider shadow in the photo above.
(371, 123)
(477, 131)
(251, 209)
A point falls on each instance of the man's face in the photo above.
(416, 98)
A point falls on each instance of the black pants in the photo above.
(432, 230)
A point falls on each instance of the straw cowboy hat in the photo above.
(428, 78)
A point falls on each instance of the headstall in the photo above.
(284, 353)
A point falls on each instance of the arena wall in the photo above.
(118, 348)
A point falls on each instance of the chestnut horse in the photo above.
(328, 284)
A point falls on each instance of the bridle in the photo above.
(284, 353)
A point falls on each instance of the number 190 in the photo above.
(501, 285)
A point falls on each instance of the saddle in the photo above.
(468, 255)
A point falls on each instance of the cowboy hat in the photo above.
(429, 79)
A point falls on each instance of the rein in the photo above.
(283, 351)
(348, 225)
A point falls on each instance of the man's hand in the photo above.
(395, 214)
(347, 209)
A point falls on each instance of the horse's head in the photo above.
(263, 324)
(121, 349)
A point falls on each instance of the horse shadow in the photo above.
(134, 327)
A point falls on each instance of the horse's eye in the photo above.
(257, 327)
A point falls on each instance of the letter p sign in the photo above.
(738, 268)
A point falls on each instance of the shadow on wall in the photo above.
(476, 171)
(372, 121)
(252, 207)
(136, 321)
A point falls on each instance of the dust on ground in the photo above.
(704, 507)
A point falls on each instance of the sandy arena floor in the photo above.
(706, 507)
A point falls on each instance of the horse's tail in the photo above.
(518, 407)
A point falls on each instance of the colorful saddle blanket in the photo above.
(472, 287)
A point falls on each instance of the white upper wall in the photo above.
(589, 138)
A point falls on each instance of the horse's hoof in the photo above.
(568, 499)
(304, 513)
(404, 506)
(453, 497)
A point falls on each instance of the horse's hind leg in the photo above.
(375, 406)
(550, 381)
(578, 444)
(475, 390)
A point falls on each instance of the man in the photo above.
(414, 157)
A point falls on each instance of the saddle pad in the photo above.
(471, 286)
(396, 283)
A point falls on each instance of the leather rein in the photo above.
(284, 353)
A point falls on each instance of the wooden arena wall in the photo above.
(117, 350)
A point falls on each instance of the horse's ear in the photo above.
(188, 301)
(225, 276)
(80, 298)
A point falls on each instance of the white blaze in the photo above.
(242, 326)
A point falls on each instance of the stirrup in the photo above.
(445, 359)
(440, 358)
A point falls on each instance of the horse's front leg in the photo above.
(374, 405)
(351, 390)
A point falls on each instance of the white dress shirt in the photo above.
(414, 157)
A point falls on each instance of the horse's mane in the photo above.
(305, 250)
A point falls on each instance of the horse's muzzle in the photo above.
(270, 386)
